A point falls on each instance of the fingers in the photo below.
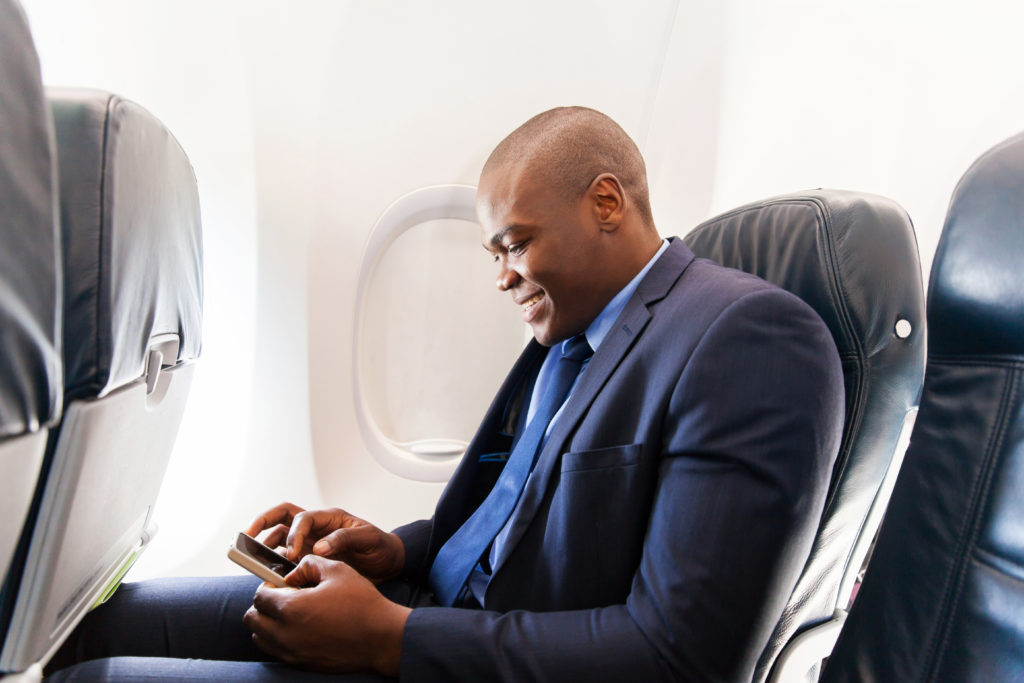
(265, 633)
(276, 536)
(280, 514)
(353, 539)
(297, 529)
(310, 572)
(268, 600)
(301, 526)
(270, 646)
(332, 624)
(312, 524)
(375, 554)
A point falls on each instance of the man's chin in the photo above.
(543, 335)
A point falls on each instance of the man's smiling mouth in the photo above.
(532, 301)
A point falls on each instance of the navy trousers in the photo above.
(185, 629)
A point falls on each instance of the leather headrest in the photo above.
(860, 249)
(30, 370)
(976, 291)
(132, 240)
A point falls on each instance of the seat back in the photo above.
(943, 597)
(852, 257)
(132, 260)
(30, 366)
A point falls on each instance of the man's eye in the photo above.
(517, 248)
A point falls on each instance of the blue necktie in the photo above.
(460, 554)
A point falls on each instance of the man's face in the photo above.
(548, 250)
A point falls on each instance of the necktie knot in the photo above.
(577, 349)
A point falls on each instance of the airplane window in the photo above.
(437, 336)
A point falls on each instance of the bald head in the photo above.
(563, 210)
(567, 148)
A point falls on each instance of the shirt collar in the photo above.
(602, 324)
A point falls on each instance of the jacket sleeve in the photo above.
(749, 435)
(416, 539)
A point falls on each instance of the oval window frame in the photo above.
(432, 459)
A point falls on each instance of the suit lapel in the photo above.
(621, 338)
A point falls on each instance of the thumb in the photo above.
(310, 572)
(339, 542)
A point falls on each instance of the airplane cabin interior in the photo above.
(240, 264)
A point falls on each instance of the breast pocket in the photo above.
(602, 503)
(602, 458)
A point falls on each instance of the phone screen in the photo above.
(278, 564)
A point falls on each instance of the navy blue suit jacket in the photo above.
(673, 505)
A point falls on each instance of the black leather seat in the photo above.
(132, 264)
(30, 296)
(943, 598)
(853, 258)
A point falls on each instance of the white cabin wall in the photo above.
(682, 140)
(895, 97)
(305, 120)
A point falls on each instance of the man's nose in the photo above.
(507, 278)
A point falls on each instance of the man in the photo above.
(636, 505)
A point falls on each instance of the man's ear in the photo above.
(608, 201)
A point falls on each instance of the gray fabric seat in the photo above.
(132, 264)
(852, 257)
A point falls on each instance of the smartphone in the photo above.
(270, 566)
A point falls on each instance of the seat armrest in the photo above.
(807, 649)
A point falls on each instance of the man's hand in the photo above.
(333, 533)
(336, 622)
